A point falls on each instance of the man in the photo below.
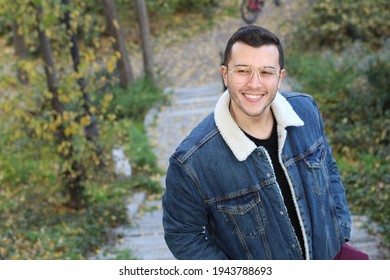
(256, 179)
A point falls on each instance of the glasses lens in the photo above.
(242, 74)
(268, 75)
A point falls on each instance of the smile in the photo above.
(253, 97)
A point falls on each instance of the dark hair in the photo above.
(254, 36)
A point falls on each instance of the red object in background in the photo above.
(255, 4)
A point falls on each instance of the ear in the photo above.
(281, 76)
(224, 73)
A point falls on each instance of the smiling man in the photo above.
(256, 179)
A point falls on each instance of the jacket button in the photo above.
(268, 175)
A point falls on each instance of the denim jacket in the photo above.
(222, 200)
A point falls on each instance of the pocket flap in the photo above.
(239, 203)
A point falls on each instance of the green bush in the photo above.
(133, 139)
(37, 224)
(36, 220)
(326, 74)
(378, 78)
(351, 89)
(46, 229)
(338, 23)
(204, 7)
(135, 101)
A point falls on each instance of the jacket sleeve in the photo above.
(337, 190)
(339, 198)
(185, 216)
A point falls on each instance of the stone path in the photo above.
(193, 68)
(167, 127)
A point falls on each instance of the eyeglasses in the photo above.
(242, 74)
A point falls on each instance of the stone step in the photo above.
(183, 93)
(187, 112)
(198, 100)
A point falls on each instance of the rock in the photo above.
(122, 167)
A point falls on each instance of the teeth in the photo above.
(252, 96)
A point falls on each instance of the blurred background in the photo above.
(77, 79)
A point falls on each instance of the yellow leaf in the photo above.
(38, 130)
(111, 117)
(7, 107)
(85, 121)
(116, 24)
(48, 94)
(48, 33)
(108, 97)
(20, 31)
(111, 65)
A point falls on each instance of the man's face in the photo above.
(253, 97)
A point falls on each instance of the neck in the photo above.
(259, 127)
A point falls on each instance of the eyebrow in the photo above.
(251, 66)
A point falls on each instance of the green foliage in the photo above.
(204, 7)
(335, 23)
(378, 79)
(131, 136)
(352, 88)
(46, 229)
(368, 187)
(352, 91)
(125, 254)
(326, 74)
(33, 203)
(36, 222)
(135, 101)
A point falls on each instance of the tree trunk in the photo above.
(20, 52)
(50, 71)
(125, 71)
(92, 130)
(143, 22)
(72, 178)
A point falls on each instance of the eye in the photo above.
(267, 72)
(243, 70)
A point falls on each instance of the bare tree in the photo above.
(125, 71)
(143, 22)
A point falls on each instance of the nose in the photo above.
(255, 79)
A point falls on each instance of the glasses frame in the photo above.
(231, 71)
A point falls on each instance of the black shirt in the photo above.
(271, 145)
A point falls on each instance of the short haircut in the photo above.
(254, 36)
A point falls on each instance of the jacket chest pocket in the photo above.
(243, 212)
(316, 163)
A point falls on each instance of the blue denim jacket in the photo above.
(222, 200)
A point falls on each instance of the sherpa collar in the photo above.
(240, 145)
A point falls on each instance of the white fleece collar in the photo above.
(239, 144)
